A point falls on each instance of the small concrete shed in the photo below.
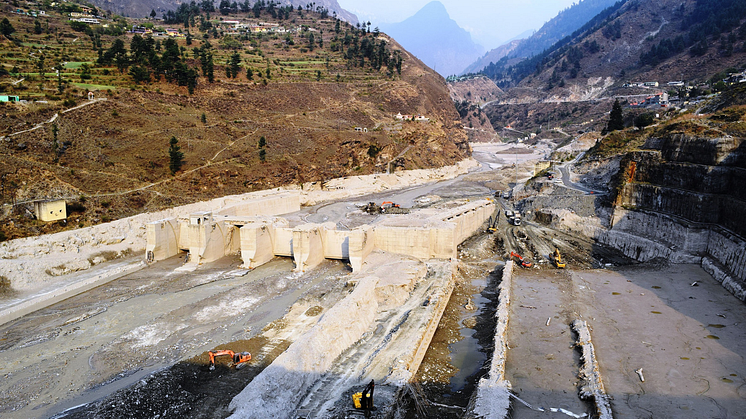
(51, 210)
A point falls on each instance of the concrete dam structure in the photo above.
(208, 236)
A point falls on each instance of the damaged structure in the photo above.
(249, 229)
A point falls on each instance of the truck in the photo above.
(513, 217)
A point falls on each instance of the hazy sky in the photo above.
(490, 22)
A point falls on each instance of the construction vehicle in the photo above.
(492, 223)
(364, 399)
(386, 207)
(557, 259)
(514, 217)
(524, 263)
(239, 359)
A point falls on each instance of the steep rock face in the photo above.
(683, 200)
(692, 177)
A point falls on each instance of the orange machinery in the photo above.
(239, 358)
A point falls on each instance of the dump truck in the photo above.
(514, 217)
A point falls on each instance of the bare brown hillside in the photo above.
(110, 157)
(470, 94)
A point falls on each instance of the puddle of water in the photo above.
(726, 380)
(616, 293)
(684, 358)
(712, 337)
(656, 312)
(466, 354)
(655, 287)
(716, 326)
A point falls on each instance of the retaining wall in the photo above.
(644, 236)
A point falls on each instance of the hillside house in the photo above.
(8, 98)
(174, 33)
(90, 20)
(421, 118)
(50, 210)
(734, 78)
(657, 99)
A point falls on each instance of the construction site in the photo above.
(482, 290)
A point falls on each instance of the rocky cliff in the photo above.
(681, 198)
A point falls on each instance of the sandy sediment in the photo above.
(377, 332)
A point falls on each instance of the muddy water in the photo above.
(462, 346)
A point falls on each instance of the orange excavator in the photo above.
(524, 263)
(239, 358)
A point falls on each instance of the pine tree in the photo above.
(616, 117)
(175, 155)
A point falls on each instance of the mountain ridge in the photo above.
(562, 25)
(436, 39)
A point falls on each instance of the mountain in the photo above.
(436, 39)
(671, 41)
(493, 56)
(142, 8)
(562, 25)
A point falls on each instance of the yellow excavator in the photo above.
(557, 259)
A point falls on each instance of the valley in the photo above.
(560, 234)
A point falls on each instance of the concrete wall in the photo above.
(468, 218)
(436, 237)
(163, 239)
(280, 203)
(419, 242)
(308, 248)
(257, 246)
(360, 244)
(279, 388)
(425, 234)
(336, 244)
(283, 243)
